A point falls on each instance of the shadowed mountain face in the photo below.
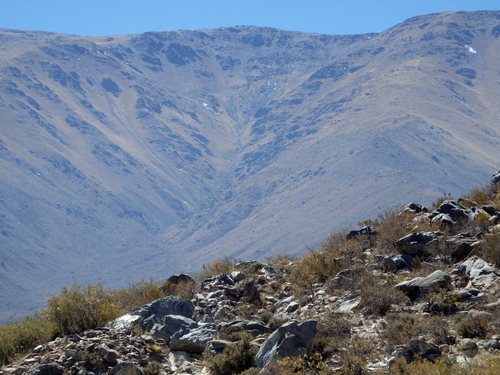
(135, 156)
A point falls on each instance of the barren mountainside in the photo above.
(136, 156)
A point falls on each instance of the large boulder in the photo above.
(418, 286)
(289, 340)
(460, 246)
(172, 324)
(417, 244)
(450, 209)
(195, 340)
(154, 313)
(479, 273)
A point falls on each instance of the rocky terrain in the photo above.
(412, 292)
(134, 156)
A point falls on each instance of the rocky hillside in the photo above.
(414, 291)
(133, 156)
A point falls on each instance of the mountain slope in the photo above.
(138, 155)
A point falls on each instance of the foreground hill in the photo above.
(135, 156)
(414, 291)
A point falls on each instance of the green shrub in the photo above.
(235, 359)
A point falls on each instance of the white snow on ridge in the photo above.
(470, 49)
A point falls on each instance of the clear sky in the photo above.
(107, 17)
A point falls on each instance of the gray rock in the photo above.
(48, 370)
(108, 356)
(195, 340)
(366, 230)
(469, 348)
(218, 346)
(423, 349)
(495, 179)
(237, 276)
(480, 273)
(417, 244)
(289, 340)
(292, 306)
(180, 278)
(418, 286)
(125, 368)
(156, 311)
(453, 209)
(414, 207)
(460, 246)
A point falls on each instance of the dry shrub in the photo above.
(217, 267)
(334, 332)
(153, 368)
(18, 338)
(185, 290)
(136, 295)
(471, 327)
(482, 195)
(235, 358)
(443, 366)
(305, 365)
(77, 309)
(378, 295)
(315, 267)
(391, 225)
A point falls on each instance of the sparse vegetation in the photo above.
(235, 359)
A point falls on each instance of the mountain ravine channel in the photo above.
(131, 157)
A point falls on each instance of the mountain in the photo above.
(135, 156)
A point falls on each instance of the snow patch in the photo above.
(470, 49)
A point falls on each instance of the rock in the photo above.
(489, 209)
(156, 311)
(469, 348)
(414, 207)
(291, 307)
(237, 276)
(480, 273)
(348, 306)
(108, 356)
(423, 349)
(431, 283)
(460, 246)
(173, 324)
(495, 179)
(125, 368)
(180, 278)
(218, 346)
(453, 209)
(393, 263)
(289, 340)
(366, 230)
(253, 327)
(48, 370)
(195, 340)
(417, 244)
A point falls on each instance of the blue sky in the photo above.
(107, 17)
